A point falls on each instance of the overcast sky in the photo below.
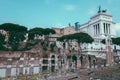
(55, 13)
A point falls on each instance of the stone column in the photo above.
(109, 55)
(94, 29)
(101, 28)
(109, 28)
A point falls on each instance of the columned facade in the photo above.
(98, 27)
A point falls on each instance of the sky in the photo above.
(55, 13)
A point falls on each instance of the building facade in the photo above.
(99, 27)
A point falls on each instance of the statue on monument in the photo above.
(103, 11)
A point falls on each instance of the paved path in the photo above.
(65, 77)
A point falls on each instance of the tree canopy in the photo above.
(16, 33)
(114, 41)
(33, 32)
(80, 37)
(13, 27)
(47, 31)
(39, 31)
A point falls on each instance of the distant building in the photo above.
(65, 31)
(68, 30)
(77, 26)
(60, 32)
(99, 27)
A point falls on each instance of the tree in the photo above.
(39, 32)
(80, 37)
(13, 27)
(47, 31)
(114, 41)
(33, 32)
(16, 34)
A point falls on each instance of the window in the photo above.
(45, 61)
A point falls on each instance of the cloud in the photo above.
(116, 29)
(69, 7)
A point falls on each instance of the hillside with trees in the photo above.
(39, 32)
(18, 33)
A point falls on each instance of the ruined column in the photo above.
(109, 55)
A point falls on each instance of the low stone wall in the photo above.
(11, 71)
